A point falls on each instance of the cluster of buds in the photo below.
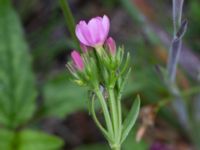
(104, 69)
(98, 52)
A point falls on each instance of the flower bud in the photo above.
(111, 45)
(77, 60)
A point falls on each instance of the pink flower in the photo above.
(77, 60)
(95, 32)
(111, 45)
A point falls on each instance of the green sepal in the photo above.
(126, 64)
(120, 55)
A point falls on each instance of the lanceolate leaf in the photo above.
(17, 91)
(130, 119)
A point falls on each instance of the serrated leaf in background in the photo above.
(17, 90)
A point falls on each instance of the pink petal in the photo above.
(94, 27)
(83, 33)
(106, 25)
(79, 33)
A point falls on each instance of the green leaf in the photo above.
(17, 90)
(130, 119)
(34, 140)
(63, 97)
(28, 140)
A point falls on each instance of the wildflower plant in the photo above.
(104, 69)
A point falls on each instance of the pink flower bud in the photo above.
(95, 32)
(77, 60)
(111, 45)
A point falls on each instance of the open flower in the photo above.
(77, 60)
(95, 32)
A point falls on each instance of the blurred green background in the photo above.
(40, 108)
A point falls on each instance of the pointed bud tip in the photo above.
(111, 45)
(77, 60)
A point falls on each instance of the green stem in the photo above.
(105, 111)
(114, 112)
(119, 107)
(116, 147)
(103, 130)
(119, 119)
(69, 20)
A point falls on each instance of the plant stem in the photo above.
(119, 119)
(115, 106)
(69, 20)
(105, 111)
(117, 147)
(103, 130)
(114, 112)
